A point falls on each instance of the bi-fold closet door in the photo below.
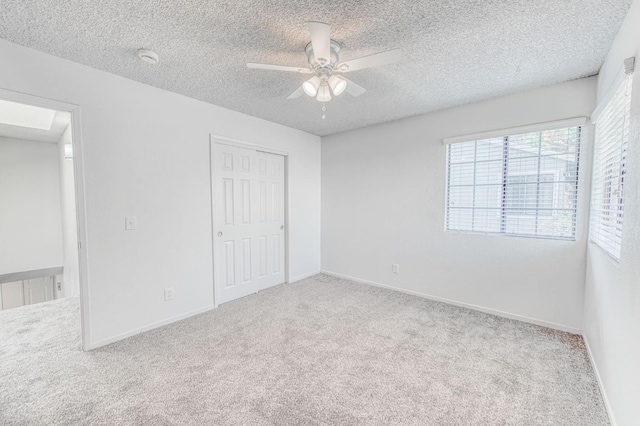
(249, 219)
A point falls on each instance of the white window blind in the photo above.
(522, 184)
(609, 167)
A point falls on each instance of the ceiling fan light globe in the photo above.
(310, 86)
(309, 89)
(324, 94)
(337, 84)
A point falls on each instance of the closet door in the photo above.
(26, 292)
(270, 226)
(37, 290)
(248, 198)
(12, 295)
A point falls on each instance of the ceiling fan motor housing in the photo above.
(324, 69)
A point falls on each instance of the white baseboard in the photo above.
(496, 312)
(122, 336)
(607, 405)
(303, 276)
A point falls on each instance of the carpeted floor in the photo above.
(320, 351)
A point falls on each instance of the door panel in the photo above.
(276, 253)
(248, 194)
(37, 290)
(12, 295)
(272, 227)
(262, 240)
(27, 292)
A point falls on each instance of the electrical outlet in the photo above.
(168, 294)
(395, 268)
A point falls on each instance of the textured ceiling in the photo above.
(455, 51)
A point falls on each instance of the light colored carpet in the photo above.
(320, 351)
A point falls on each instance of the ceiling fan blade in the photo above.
(279, 68)
(354, 89)
(375, 60)
(321, 41)
(296, 94)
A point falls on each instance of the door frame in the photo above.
(81, 208)
(223, 140)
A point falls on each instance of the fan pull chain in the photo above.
(324, 110)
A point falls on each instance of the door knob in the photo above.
(281, 226)
(220, 234)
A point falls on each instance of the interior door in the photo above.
(248, 194)
(26, 292)
(12, 294)
(270, 225)
(38, 290)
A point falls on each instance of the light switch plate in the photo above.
(130, 223)
(395, 268)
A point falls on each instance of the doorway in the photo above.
(41, 259)
(249, 218)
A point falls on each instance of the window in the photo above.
(609, 168)
(522, 184)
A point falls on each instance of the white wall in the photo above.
(71, 278)
(612, 299)
(146, 154)
(383, 202)
(30, 224)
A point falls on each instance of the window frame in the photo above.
(612, 171)
(578, 122)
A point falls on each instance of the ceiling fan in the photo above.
(323, 56)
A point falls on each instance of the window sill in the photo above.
(504, 234)
(615, 261)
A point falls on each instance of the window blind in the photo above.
(609, 167)
(522, 184)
